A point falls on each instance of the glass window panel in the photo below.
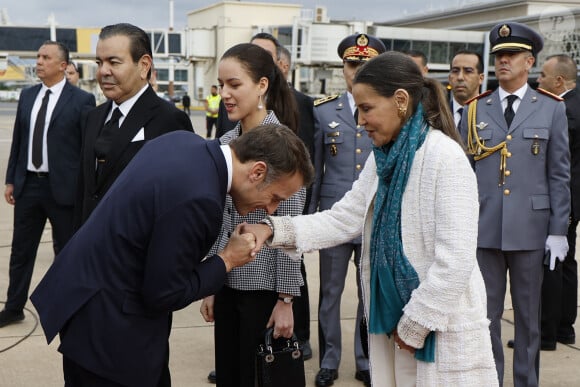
(163, 74)
(174, 43)
(454, 48)
(388, 44)
(285, 36)
(180, 75)
(439, 52)
(477, 47)
(423, 46)
(401, 45)
(158, 43)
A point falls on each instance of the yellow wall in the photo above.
(87, 40)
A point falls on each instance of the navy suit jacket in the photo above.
(63, 141)
(155, 115)
(111, 291)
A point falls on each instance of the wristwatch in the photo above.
(286, 300)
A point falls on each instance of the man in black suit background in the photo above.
(304, 102)
(124, 58)
(560, 286)
(42, 168)
(465, 79)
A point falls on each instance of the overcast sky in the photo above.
(155, 13)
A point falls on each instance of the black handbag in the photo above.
(279, 362)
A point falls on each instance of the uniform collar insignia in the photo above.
(488, 101)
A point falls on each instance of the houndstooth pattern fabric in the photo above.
(272, 269)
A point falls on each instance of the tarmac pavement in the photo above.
(27, 361)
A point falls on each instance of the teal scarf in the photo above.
(392, 276)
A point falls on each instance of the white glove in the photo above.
(557, 245)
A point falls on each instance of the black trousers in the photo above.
(32, 208)
(210, 122)
(240, 322)
(77, 376)
(301, 309)
(560, 295)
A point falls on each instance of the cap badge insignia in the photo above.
(362, 40)
(504, 31)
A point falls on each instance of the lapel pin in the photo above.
(481, 125)
(333, 124)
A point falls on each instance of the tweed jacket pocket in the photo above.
(461, 350)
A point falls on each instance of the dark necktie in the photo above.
(38, 133)
(509, 110)
(460, 112)
(105, 139)
(356, 116)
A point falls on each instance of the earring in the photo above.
(402, 111)
(260, 104)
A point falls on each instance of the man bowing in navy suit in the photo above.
(138, 257)
(42, 168)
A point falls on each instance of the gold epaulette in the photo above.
(322, 100)
(484, 94)
(546, 92)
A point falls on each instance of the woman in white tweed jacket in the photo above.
(438, 231)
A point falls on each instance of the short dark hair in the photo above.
(140, 41)
(62, 49)
(418, 54)
(266, 36)
(280, 148)
(479, 67)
